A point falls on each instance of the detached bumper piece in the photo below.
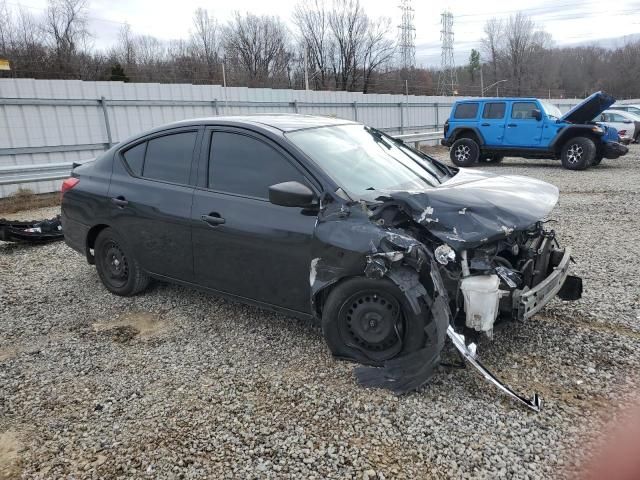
(32, 231)
(469, 353)
(614, 150)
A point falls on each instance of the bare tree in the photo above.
(520, 44)
(348, 24)
(206, 40)
(257, 48)
(65, 28)
(312, 19)
(378, 49)
(492, 43)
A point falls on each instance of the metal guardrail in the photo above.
(14, 175)
(17, 174)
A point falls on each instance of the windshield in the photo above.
(551, 110)
(364, 162)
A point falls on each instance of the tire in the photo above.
(464, 152)
(597, 160)
(119, 271)
(370, 321)
(494, 159)
(578, 153)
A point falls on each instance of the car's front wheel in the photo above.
(370, 321)
(578, 153)
(117, 268)
(465, 152)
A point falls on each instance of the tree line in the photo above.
(326, 44)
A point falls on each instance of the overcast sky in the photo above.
(568, 21)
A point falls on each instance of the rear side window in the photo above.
(168, 158)
(134, 157)
(466, 110)
(523, 110)
(494, 110)
(246, 166)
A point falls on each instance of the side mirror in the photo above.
(291, 194)
(627, 121)
(537, 114)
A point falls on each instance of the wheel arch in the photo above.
(467, 132)
(568, 133)
(90, 242)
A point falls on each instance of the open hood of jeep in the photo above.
(589, 108)
(476, 207)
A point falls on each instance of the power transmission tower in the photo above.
(448, 79)
(407, 35)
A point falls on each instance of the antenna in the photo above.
(407, 35)
(448, 79)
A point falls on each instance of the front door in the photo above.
(493, 123)
(243, 244)
(522, 127)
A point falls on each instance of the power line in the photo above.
(407, 40)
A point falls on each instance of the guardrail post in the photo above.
(107, 125)
(295, 106)
(401, 117)
(215, 106)
(437, 106)
(355, 111)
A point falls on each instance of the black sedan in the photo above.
(323, 219)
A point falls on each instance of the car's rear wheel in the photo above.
(117, 268)
(370, 321)
(464, 152)
(578, 153)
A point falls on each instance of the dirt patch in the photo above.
(7, 353)
(142, 325)
(25, 199)
(9, 460)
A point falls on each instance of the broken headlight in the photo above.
(444, 254)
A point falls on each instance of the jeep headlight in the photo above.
(444, 254)
(597, 130)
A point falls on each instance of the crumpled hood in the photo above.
(475, 207)
(589, 108)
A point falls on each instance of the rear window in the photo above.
(168, 158)
(494, 110)
(134, 157)
(466, 110)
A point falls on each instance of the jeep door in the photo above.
(243, 244)
(522, 127)
(150, 198)
(492, 124)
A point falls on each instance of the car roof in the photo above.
(498, 99)
(285, 122)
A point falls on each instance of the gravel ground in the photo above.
(179, 384)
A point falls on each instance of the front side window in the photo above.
(466, 110)
(523, 110)
(168, 158)
(246, 166)
(494, 110)
(365, 163)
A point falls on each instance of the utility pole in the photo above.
(481, 82)
(306, 69)
(448, 79)
(224, 76)
(407, 35)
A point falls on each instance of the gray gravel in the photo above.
(179, 384)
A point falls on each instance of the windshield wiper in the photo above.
(377, 136)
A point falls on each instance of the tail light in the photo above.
(622, 133)
(446, 127)
(68, 184)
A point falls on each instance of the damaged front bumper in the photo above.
(613, 150)
(529, 301)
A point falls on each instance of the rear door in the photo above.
(151, 194)
(254, 249)
(522, 128)
(492, 123)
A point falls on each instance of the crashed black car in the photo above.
(390, 249)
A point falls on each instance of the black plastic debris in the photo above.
(31, 231)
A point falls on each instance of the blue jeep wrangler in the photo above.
(488, 129)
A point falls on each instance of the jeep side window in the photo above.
(466, 110)
(523, 110)
(494, 110)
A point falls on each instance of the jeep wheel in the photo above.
(464, 152)
(578, 153)
(492, 158)
(597, 160)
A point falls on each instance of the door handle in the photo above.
(511, 125)
(120, 201)
(213, 219)
(485, 124)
